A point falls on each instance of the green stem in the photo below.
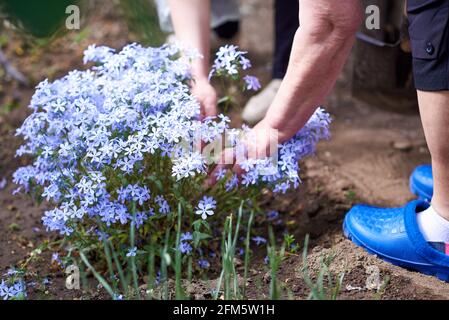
(132, 244)
(247, 253)
(119, 269)
(178, 258)
(151, 267)
(100, 279)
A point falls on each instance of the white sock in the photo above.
(434, 227)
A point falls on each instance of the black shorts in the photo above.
(429, 36)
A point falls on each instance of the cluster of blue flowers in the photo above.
(109, 143)
(184, 245)
(15, 291)
(229, 62)
(12, 288)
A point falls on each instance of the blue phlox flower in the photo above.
(132, 252)
(185, 248)
(203, 264)
(206, 207)
(252, 83)
(186, 236)
(259, 240)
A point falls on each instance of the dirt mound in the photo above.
(367, 275)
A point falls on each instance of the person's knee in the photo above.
(324, 19)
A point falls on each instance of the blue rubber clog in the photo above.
(421, 182)
(394, 236)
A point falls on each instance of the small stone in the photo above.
(423, 150)
(266, 277)
(402, 145)
(291, 223)
(317, 249)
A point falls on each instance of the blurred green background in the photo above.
(46, 18)
(41, 19)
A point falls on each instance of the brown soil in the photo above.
(369, 159)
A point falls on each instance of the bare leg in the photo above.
(434, 108)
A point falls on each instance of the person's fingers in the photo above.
(212, 177)
(207, 97)
(224, 161)
(210, 106)
(237, 169)
(234, 167)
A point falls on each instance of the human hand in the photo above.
(207, 97)
(260, 142)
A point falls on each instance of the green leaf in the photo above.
(199, 236)
(200, 223)
(157, 182)
(167, 258)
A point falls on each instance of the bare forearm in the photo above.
(318, 55)
(191, 22)
(306, 85)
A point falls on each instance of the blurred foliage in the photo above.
(8, 107)
(40, 19)
(142, 19)
(3, 40)
(45, 19)
(39, 23)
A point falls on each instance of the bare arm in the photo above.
(320, 49)
(191, 21)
